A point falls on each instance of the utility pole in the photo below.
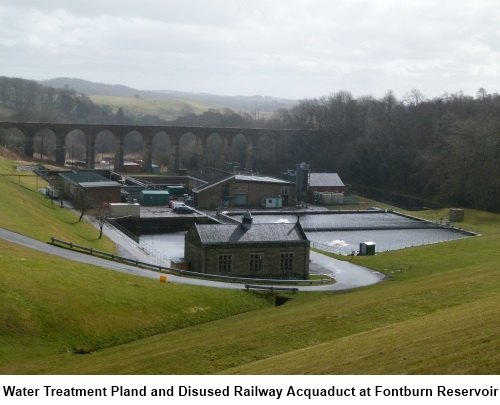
(41, 149)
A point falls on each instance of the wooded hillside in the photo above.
(444, 150)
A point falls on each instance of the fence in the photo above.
(188, 273)
(348, 250)
(159, 258)
(325, 227)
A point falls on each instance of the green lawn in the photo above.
(437, 312)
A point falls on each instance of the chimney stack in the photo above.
(247, 220)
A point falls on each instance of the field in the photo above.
(437, 312)
(166, 109)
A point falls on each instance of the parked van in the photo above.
(177, 204)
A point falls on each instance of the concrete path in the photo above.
(346, 274)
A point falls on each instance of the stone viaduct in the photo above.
(119, 132)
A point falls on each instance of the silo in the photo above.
(302, 181)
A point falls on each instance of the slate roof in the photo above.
(235, 233)
(247, 178)
(262, 179)
(325, 180)
(209, 175)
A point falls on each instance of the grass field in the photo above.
(25, 210)
(437, 312)
(162, 108)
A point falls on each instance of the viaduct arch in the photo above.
(91, 131)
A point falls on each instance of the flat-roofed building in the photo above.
(98, 188)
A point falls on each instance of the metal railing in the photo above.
(187, 273)
(161, 259)
(346, 251)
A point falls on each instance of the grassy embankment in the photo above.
(437, 313)
(25, 210)
(50, 306)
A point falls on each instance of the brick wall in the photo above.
(211, 197)
(104, 194)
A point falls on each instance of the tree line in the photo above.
(33, 102)
(445, 149)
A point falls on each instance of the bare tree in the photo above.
(82, 202)
(414, 97)
(101, 214)
(62, 189)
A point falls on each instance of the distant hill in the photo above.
(87, 87)
(264, 104)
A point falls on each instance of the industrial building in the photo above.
(325, 189)
(96, 187)
(242, 190)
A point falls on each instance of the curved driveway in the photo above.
(347, 275)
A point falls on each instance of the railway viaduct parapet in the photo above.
(119, 132)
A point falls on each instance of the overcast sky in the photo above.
(282, 48)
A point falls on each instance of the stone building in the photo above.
(98, 188)
(324, 183)
(272, 251)
(242, 190)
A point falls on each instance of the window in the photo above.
(286, 262)
(284, 190)
(225, 263)
(256, 262)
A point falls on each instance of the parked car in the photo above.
(189, 200)
(172, 202)
(183, 209)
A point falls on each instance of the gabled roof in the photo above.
(235, 233)
(247, 178)
(209, 175)
(325, 180)
(261, 179)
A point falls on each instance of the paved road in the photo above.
(346, 274)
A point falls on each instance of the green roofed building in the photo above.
(98, 188)
(154, 197)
